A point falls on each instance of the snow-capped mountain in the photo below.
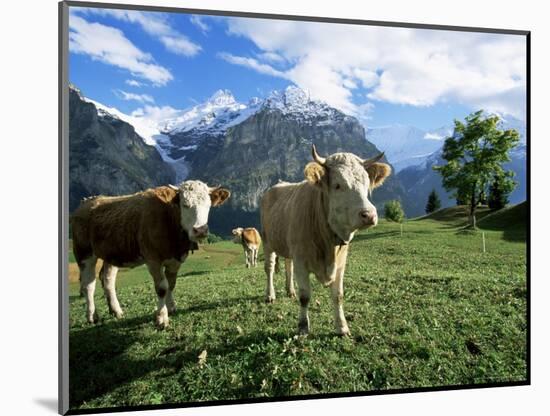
(218, 113)
(407, 145)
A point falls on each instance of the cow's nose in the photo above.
(201, 231)
(369, 216)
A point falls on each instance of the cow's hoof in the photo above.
(93, 319)
(303, 331)
(291, 295)
(161, 320)
(303, 328)
(117, 313)
(269, 299)
(343, 332)
(162, 325)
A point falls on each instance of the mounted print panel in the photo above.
(265, 208)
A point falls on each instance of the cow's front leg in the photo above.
(87, 287)
(289, 272)
(108, 278)
(162, 288)
(304, 294)
(269, 266)
(171, 272)
(337, 294)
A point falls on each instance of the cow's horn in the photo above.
(368, 162)
(316, 157)
(174, 187)
(213, 188)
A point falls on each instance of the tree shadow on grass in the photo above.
(194, 273)
(376, 235)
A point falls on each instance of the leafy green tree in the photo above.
(475, 154)
(393, 211)
(213, 238)
(499, 190)
(434, 203)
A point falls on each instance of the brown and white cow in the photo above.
(313, 222)
(156, 227)
(250, 239)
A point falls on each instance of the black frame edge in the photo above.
(319, 19)
(63, 207)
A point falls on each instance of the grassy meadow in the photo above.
(425, 308)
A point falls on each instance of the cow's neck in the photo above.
(184, 243)
(328, 245)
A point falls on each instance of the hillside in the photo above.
(512, 220)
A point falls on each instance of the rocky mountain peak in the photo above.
(222, 98)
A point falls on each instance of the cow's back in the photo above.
(251, 238)
(114, 227)
(125, 230)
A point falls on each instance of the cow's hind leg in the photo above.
(87, 286)
(304, 294)
(171, 272)
(108, 278)
(289, 272)
(337, 294)
(269, 267)
(161, 287)
(247, 257)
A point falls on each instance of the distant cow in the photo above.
(250, 239)
(312, 223)
(156, 227)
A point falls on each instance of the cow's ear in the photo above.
(378, 172)
(315, 173)
(218, 196)
(176, 199)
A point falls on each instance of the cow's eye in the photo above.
(337, 186)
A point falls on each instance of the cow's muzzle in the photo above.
(200, 232)
(369, 217)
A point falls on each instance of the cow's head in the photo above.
(346, 180)
(195, 199)
(237, 234)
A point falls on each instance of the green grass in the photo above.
(425, 309)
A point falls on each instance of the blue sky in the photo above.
(162, 62)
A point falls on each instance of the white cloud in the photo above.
(252, 63)
(134, 83)
(155, 24)
(271, 57)
(433, 136)
(179, 45)
(156, 114)
(416, 67)
(129, 96)
(109, 45)
(199, 22)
